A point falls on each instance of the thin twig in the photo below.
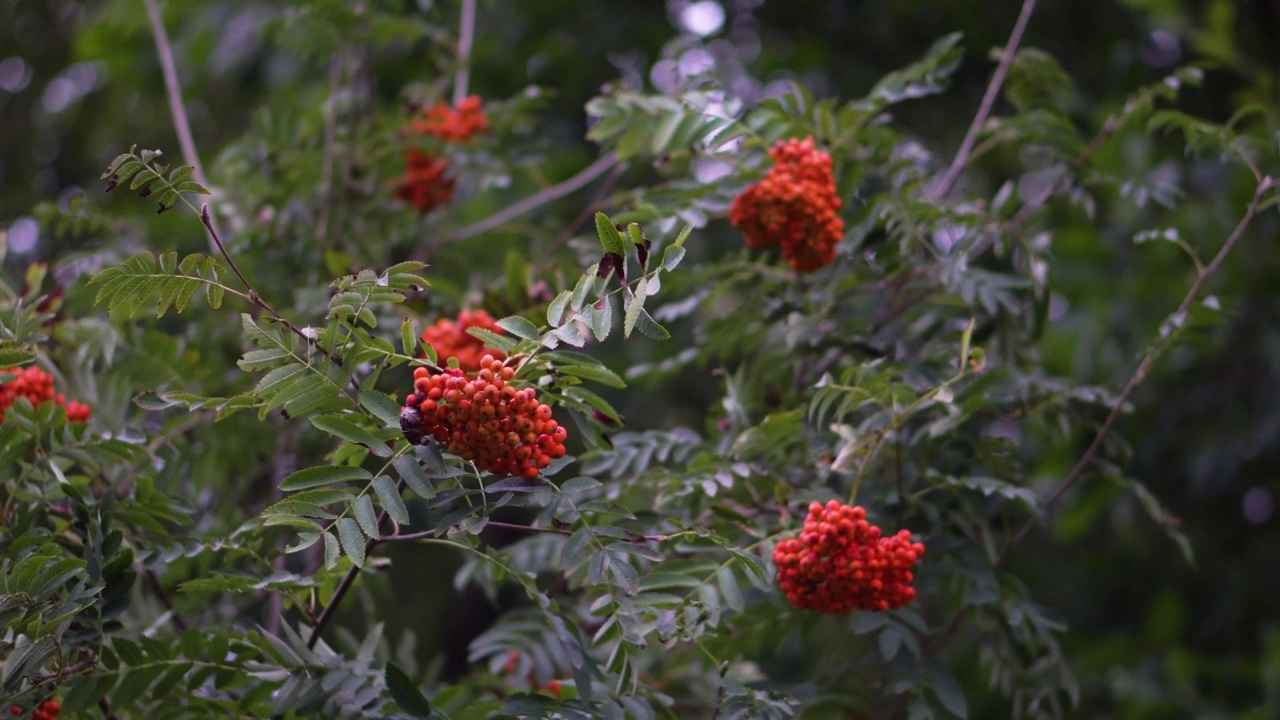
(405, 537)
(283, 463)
(536, 200)
(1077, 473)
(588, 210)
(1109, 128)
(988, 101)
(1144, 367)
(466, 37)
(330, 141)
(153, 581)
(191, 421)
(173, 90)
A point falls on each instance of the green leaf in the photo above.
(366, 516)
(610, 238)
(352, 540)
(389, 498)
(322, 475)
(331, 551)
(650, 327)
(408, 339)
(600, 374)
(579, 484)
(557, 309)
(15, 354)
(381, 406)
(671, 257)
(635, 306)
(600, 314)
(411, 472)
(948, 691)
(520, 327)
(351, 432)
(406, 693)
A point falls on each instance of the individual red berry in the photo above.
(795, 205)
(840, 563)
(450, 338)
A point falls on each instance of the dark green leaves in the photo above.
(406, 693)
(145, 177)
(322, 476)
(610, 238)
(145, 280)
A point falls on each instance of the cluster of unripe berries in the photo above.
(482, 419)
(36, 385)
(48, 710)
(840, 562)
(425, 185)
(450, 339)
(795, 205)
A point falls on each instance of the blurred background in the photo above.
(1150, 635)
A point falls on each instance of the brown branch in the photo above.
(988, 101)
(173, 91)
(330, 142)
(255, 299)
(326, 615)
(1077, 472)
(536, 200)
(153, 581)
(1144, 367)
(466, 37)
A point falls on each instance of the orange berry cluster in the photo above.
(48, 710)
(482, 419)
(794, 205)
(452, 125)
(424, 184)
(840, 563)
(36, 385)
(451, 340)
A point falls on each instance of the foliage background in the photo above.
(1150, 635)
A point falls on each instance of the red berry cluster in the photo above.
(48, 710)
(480, 418)
(841, 563)
(451, 340)
(794, 205)
(36, 385)
(452, 125)
(424, 185)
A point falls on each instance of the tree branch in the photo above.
(988, 101)
(1144, 367)
(466, 37)
(1077, 472)
(536, 200)
(173, 90)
